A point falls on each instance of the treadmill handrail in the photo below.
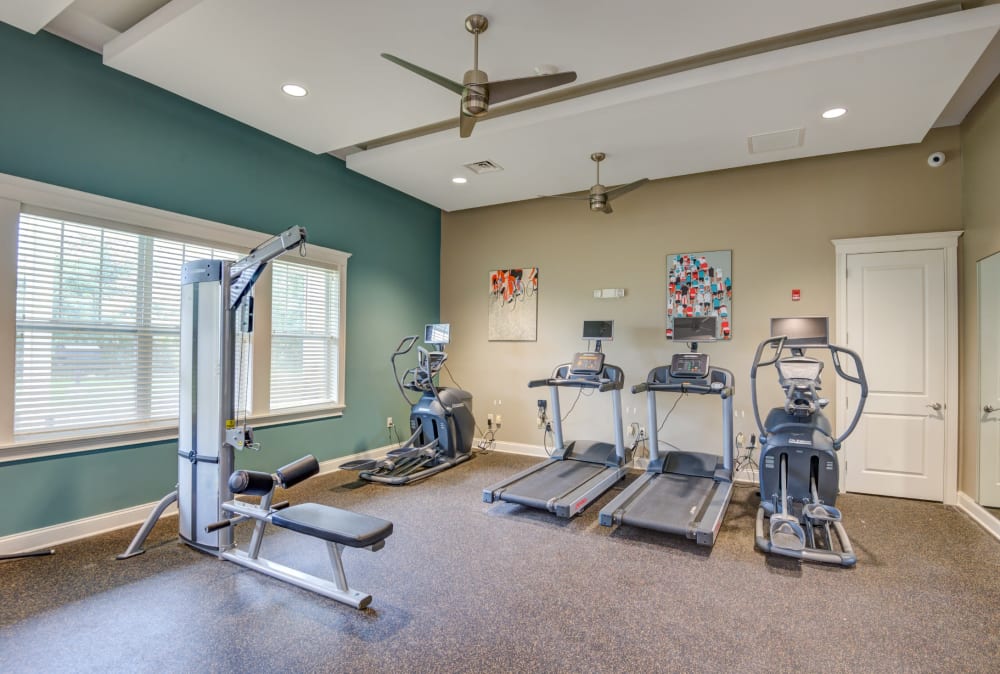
(601, 384)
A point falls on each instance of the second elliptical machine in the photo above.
(441, 420)
(799, 469)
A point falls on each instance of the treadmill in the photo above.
(682, 492)
(577, 473)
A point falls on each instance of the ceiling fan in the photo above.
(476, 90)
(600, 196)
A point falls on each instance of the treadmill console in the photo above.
(587, 364)
(689, 365)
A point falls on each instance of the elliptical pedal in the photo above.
(819, 513)
(359, 464)
(786, 533)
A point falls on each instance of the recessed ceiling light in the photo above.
(296, 90)
(459, 180)
(834, 113)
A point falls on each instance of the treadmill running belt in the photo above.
(669, 503)
(552, 482)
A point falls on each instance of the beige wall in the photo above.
(778, 219)
(981, 216)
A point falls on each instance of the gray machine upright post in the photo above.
(728, 439)
(616, 402)
(556, 418)
(654, 434)
(204, 459)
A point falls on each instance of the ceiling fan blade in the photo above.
(618, 191)
(465, 123)
(607, 208)
(423, 72)
(504, 90)
(563, 196)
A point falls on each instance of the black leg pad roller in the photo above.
(252, 482)
(333, 524)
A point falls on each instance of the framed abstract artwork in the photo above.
(513, 305)
(701, 285)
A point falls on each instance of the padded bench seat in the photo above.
(333, 524)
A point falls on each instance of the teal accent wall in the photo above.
(66, 119)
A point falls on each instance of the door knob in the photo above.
(937, 407)
(989, 408)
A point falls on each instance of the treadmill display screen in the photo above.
(689, 365)
(587, 363)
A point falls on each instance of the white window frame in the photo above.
(17, 194)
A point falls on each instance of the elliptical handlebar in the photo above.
(780, 345)
(861, 380)
(406, 342)
(405, 345)
(835, 351)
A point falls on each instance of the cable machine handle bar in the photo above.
(779, 343)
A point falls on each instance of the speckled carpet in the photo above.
(463, 586)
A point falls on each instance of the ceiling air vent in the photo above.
(778, 140)
(484, 166)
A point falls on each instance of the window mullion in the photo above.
(143, 323)
(9, 214)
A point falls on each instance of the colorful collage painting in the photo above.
(701, 284)
(514, 305)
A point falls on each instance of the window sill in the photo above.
(38, 448)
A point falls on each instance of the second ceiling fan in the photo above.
(600, 196)
(476, 90)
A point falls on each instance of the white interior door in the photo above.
(989, 381)
(896, 323)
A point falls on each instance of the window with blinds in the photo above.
(305, 324)
(97, 326)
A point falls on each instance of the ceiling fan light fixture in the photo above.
(834, 113)
(294, 90)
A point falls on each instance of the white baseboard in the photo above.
(58, 534)
(978, 513)
(65, 532)
(514, 448)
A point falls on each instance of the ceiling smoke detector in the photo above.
(484, 166)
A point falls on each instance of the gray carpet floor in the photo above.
(463, 586)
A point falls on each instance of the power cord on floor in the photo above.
(744, 455)
(487, 440)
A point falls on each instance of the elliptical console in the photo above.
(799, 470)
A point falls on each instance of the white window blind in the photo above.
(97, 326)
(305, 324)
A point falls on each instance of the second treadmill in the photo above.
(681, 492)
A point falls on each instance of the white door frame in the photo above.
(948, 242)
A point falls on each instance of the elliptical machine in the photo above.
(799, 470)
(441, 420)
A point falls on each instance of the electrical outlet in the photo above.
(388, 422)
(499, 420)
(489, 419)
(631, 431)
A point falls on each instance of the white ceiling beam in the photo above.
(32, 15)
